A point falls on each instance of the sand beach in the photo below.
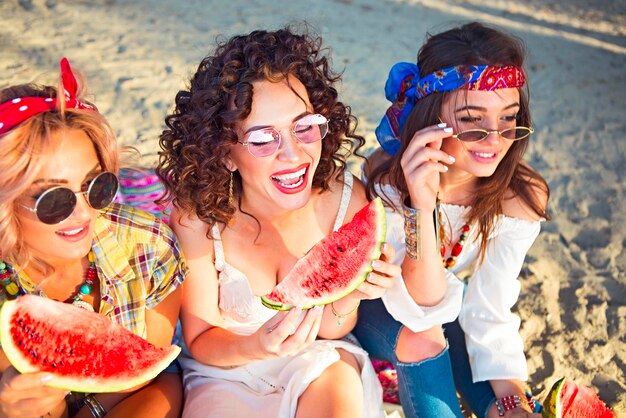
(137, 55)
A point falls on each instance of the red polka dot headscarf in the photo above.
(16, 111)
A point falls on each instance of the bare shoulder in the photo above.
(191, 232)
(514, 206)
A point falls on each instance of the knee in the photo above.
(418, 346)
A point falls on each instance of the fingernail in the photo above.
(447, 130)
(377, 264)
(451, 158)
(441, 125)
(47, 378)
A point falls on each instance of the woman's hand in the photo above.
(26, 395)
(422, 162)
(381, 278)
(284, 334)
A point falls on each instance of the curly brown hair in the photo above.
(193, 163)
(472, 44)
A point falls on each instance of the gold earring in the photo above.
(230, 190)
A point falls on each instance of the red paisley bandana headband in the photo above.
(16, 111)
(405, 86)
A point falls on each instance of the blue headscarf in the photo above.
(404, 87)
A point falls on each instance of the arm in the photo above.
(202, 324)
(495, 348)
(340, 317)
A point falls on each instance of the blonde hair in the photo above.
(25, 150)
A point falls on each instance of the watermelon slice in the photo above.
(84, 350)
(336, 265)
(568, 400)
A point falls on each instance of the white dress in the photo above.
(267, 388)
(483, 307)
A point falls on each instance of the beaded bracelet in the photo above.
(511, 402)
(412, 231)
(340, 316)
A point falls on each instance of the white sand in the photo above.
(137, 55)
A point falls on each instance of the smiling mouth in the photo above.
(71, 232)
(290, 180)
(484, 154)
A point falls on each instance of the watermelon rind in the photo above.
(380, 224)
(566, 399)
(106, 329)
(551, 405)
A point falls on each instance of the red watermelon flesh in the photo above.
(85, 351)
(566, 399)
(336, 265)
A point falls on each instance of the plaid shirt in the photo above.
(139, 263)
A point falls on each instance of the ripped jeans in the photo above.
(427, 388)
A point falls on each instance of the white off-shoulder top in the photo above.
(483, 306)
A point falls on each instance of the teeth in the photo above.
(485, 154)
(292, 186)
(72, 232)
(290, 176)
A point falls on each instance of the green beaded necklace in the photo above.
(8, 277)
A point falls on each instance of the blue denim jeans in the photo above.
(427, 388)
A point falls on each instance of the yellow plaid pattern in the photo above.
(139, 263)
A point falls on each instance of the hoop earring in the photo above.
(230, 191)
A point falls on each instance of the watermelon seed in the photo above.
(54, 365)
(340, 248)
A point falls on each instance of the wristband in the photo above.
(511, 402)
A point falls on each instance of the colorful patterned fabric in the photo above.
(388, 378)
(18, 110)
(404, 86)
(139, 188)
(139, 263)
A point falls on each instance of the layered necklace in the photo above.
(457, 248)
(8, 277)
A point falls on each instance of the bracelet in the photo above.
(94, 406)
(341, 316)
(412, 231)
(511, 402)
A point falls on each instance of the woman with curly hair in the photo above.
(254, 162)
(62, 238)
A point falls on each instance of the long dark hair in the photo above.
(201, 131)
(472, 44)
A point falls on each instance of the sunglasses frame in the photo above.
(276, 133)
(487, 133)
(74, 203)
(529, 131)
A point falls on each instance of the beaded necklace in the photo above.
(8, 277)
(441, 238)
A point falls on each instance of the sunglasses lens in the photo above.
(55, 205)
(263, 142)
(516, 133)
(102, 190)
(471, 135)
(311, 128)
